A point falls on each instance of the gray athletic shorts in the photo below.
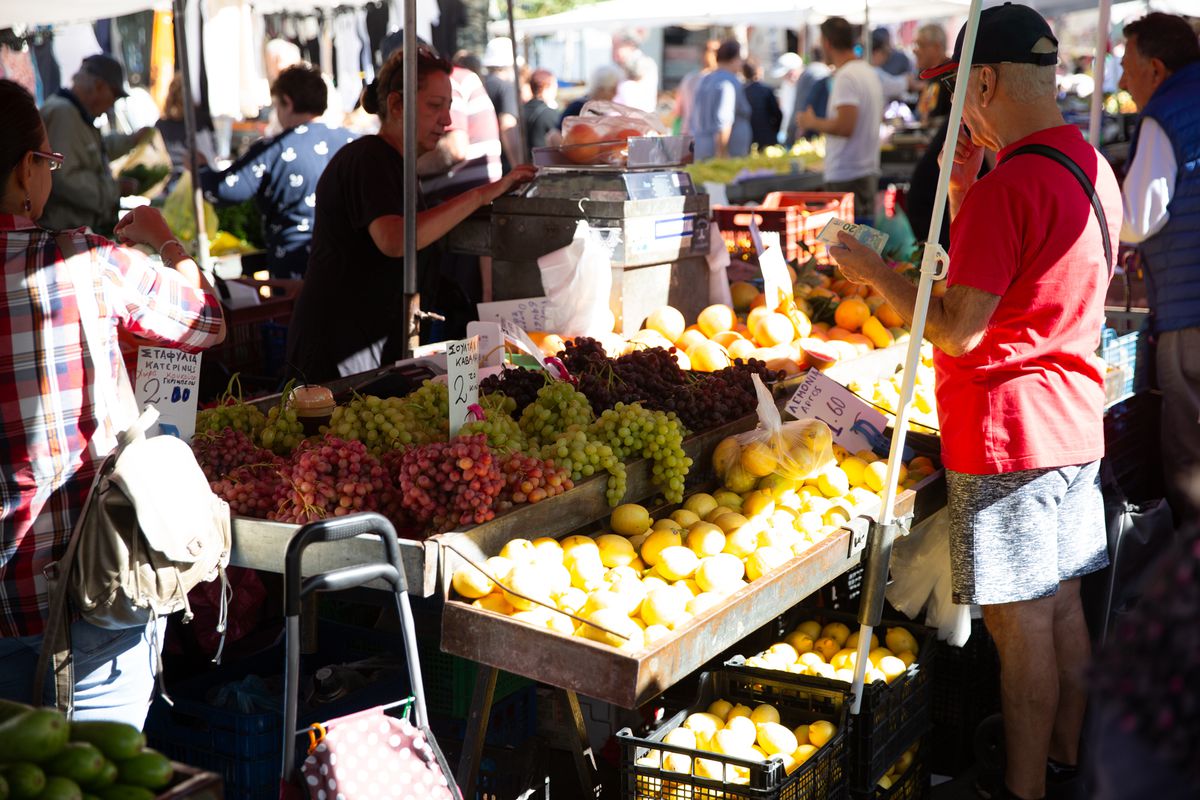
(1017, 535)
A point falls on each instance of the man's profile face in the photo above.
(1140, 76)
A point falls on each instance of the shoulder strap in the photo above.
(1089, 189)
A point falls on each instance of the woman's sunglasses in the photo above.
(55, 160)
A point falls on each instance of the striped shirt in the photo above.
(49, 409)
(471, 110)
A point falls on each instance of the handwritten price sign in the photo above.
(168, 380)
(462, 361)
(855, 424)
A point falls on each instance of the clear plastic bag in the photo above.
(600, 133)
(578, 279)
(795, 451)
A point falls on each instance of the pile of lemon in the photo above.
(831, 651)
(734, 729)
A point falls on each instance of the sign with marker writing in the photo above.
(168, 379)
(529, 313)
(462, 378)
(491, 342)
(517, 335)
(855, 424)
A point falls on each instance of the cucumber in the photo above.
(10, 708)
(25, 781)
(78, 761)
(60, 788)
(106, 777)
(120, 792)
(116, 740)
(148, 768)
(36, 736)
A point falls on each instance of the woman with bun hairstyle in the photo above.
(349, 317)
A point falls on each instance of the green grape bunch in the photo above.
(231, 413)
(633, 431)
(283, 431)
(584, 457)
(559, 408)
(503, 433)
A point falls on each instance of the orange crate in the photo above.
(796, 216)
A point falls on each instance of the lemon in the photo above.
(705, 726)
(656, 542)
(495, 602)
(572, 600)
(629, 519)
(703, 601)
(700, 504)
(803, 753)
(818, 505)
(810, 659)
(739, 710)
(731, 742)
(785, 651)
(602, 599)
(764, 713)
(844, 659)
(766, 559)
(587, 574)
(615, 551)
(519, 551)
(908, 657)
(558, 577)
(742, 542)
(899, 640)
(705, 539)
(666, 524)
(677, 563)
(614, 620)
(879, 653)
(892, 668)
(758, 503)
(664, 606)
(655, 632)
(717, 513)
(838, 632)
(498, 567)
(874, 475)
(561, 623)
(824, 671)
(757, 459)
(720, 709)
(707, 768)
(570, 544)
(833, 482)
(852, 641)
(801, 734)
(854, 467)
(530, 580)
(820, 732)
(810, 521)
(800, 641)
(685, 518)
(827, 647)
(779, 536)
(775, 738)
(471, 583)
(681, 737)
(537, 617)
(548, 550)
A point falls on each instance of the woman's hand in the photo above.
(144, 225)
(522, 173)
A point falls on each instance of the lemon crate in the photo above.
(891, 717)
(796, 216)
(966, 691)
(913, 784)
(821, 777)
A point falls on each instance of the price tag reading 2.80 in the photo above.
(855, 424)
(462, 362)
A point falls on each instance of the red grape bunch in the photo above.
(331, 477)
(528, 479)
(446, 484)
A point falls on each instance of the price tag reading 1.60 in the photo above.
(855, 424)
(462, 362)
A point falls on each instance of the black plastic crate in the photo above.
(821, 777)
(913, 784)
(892, 715)
(966, 691)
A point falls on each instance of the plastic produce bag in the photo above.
(794, 451)
(179, 212)
(600, 132)
(718, 268)
(578, 279)
(920, 572)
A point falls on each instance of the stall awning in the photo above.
(54, 12)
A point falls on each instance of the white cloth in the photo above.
(855, 83)
(348, 63)
(1149, 184)
(230, 62)
(429, 13)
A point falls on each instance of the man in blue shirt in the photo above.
(720, 117)
(280, 174)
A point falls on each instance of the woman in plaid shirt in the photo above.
(50, 412)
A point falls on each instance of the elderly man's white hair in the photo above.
(1030, 83)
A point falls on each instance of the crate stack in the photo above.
(796, 216)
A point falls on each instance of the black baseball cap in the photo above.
(1006, 33)
(107, 69)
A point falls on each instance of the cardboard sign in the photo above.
(491, 342)
(168, 379)
(777, 283)
(855, 424)
(462, 379)
(528, 313)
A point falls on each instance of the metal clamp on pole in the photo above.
(875, 573)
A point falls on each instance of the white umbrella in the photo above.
(933, 263)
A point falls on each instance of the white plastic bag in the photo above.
(718, 268)
(920, 572)
(577, 279)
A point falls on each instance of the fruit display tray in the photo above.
(630, 679)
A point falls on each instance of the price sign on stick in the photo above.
(855, 424)
(168, 380)
(462, 378)
(777, 283)
(529, 313)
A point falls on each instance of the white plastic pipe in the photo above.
(929, 270)
(1096, 120)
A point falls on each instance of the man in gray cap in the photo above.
(84, 192)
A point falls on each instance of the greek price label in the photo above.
(528, 313)
(777, 284)
(168, 379)
(462, 363)
(855, 424)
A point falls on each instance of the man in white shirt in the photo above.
(851, 125)
(1162, 217)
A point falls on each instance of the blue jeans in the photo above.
(114, 670)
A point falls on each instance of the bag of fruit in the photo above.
(600, 134)
(793, 451)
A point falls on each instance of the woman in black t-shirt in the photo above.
(349, 316)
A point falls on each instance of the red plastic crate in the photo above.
(796, 216)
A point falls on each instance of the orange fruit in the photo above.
(690, 338)
(862, 344)
(708, 357)
(821, 291)
(681, 358)
(743, 294)
(889, 316)
(550, 344)
(667, 321)
(851, 313)
(715, 319)
(577, 143)
(788, 366)
(726, 338)
(773, 329)
(838, 333)
(880, 336)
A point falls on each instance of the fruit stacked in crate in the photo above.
(45, 756)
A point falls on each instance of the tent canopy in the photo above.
(54, 12)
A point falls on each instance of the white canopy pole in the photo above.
(412, 300)
(1096, 121)
(866, 31)
(179, 23)
(933, 263)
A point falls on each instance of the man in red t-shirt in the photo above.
(1020, 390)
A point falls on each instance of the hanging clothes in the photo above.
(72, 44)
(49, 76)
(16, 64)
(233, 77)
(429, 13)
(162, 56)
(135, 32)
(347, 63)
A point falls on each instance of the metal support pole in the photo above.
(477, 723)
(581, 748)
(412, 299)
(1096, 119)
(179, 20)
(512, 34)
(866, 31)
(933, 264)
